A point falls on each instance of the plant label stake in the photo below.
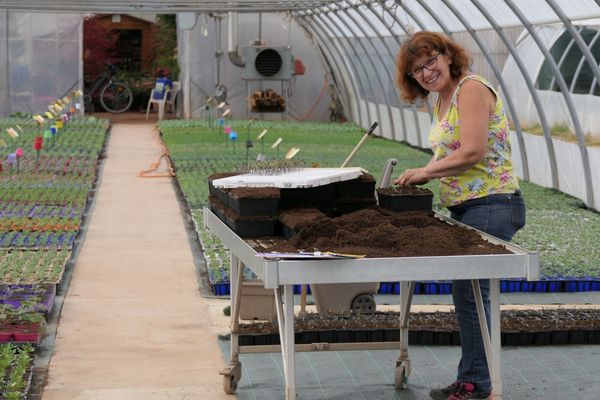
(12, 133)
(208, 110)
(37, 146)
(276, 144)
(18, 154)
(227, 131)
(291, 153)
(261, 137)
(48, 134)
(10, 160)
(248, 128)
(233, 136)
(221, 121)
(248, 145)
(59, 126)
(53, 130)
(360, 143)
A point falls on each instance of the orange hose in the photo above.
(154, 166)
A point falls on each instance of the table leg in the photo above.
(237, 276)
(281, 324)
(232, 373)
(289, 356)
(496, 373)
(491, 342)
(403, 364)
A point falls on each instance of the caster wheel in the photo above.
(400, 378)
(364, 303)
(229, 384)
(231, 377)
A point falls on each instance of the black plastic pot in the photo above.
(328, 336)
(222, 196)
(392, 335)
(543, 338)
(526, 339)
(442, 338)
(262, 340)
(248, 207)
(578, 337)
(560, 337)
(377, 335)
(509, 338)
(286, 231)
(426, 338)
(360, 335)
(246, 340)
(413, 337)
(359, 188)
(318, 197)
(308, 337)
(246, 228)
(594, 337)
(400, 202)
(344, 337)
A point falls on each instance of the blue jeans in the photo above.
(500, 215)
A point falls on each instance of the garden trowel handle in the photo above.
(387, 172)
(359, 145)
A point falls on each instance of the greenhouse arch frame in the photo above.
(353, 43)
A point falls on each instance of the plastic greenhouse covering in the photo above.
(541, 55)
(42, 54)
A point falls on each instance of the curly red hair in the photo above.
(426, 43)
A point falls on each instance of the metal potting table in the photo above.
(281, 275)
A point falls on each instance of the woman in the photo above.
(472, 160)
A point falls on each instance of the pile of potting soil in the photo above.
(375, 232)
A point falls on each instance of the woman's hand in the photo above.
(416, 176)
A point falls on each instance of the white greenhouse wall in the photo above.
(570, 169)
(198, 66)
(594, 154)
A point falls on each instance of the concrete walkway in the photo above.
(133, 324)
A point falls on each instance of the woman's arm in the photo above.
(476, 104)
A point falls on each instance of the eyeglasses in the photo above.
(429, 64)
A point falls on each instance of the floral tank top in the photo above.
(494, 173)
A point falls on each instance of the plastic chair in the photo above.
(168, 99)
(173, 96)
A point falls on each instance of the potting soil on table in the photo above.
(375, 232)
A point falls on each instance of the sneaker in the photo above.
(442, 394)
(458, 387)
(466, 390)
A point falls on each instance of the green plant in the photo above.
(166, 45)
(98, 45)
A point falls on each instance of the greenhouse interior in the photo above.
(261, 199)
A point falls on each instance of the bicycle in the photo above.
(115, 97)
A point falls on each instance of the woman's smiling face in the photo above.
(432, 71)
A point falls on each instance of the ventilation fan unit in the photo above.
(268, 63)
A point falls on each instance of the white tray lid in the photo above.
(302, 178)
